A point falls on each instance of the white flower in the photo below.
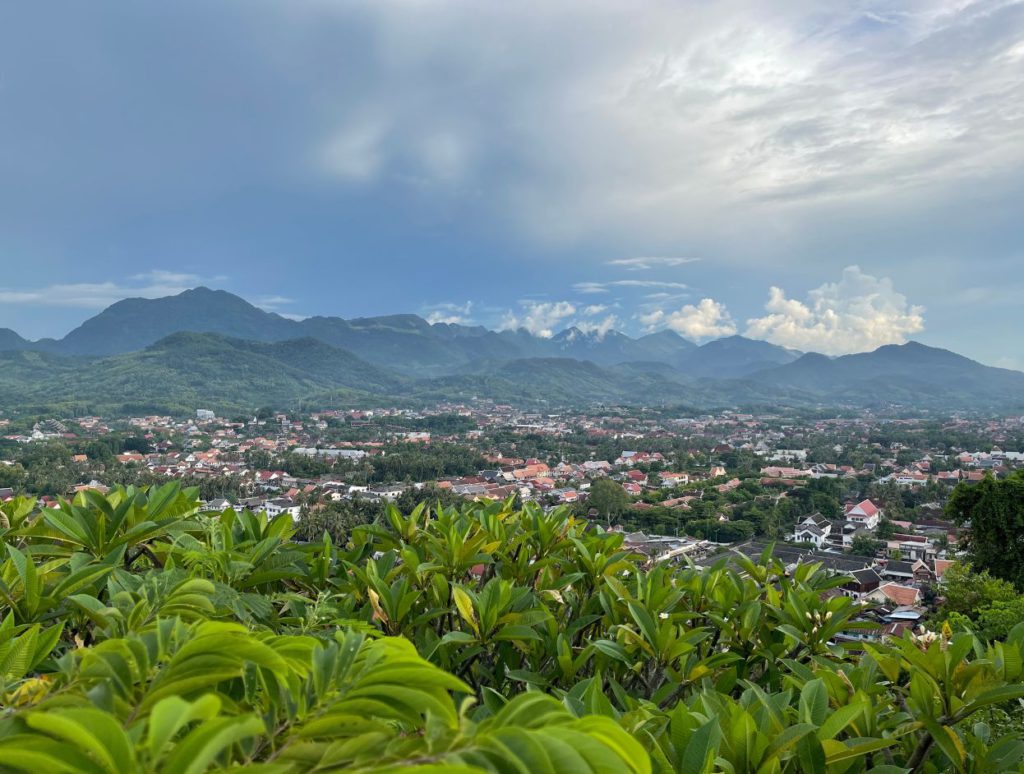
(662, 616)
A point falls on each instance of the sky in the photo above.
(825, 176)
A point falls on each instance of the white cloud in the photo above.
(99, 295)
(591, 287)
(450, 313)
(539, 317)
(604, 287)
(856, 314)
(643, 264)
(600, 327)
(273, 303)
(435, 318)
(708, 319)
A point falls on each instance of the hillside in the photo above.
(135, 323)
(910, 374)
(733, 357)
(9, 340)
(557, 382)
(186, 371)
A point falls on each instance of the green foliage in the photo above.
(966, 591)
(140, 634)
(720, 531)
(609, 498)
(994, 510)
(186, 370)
(865, 545)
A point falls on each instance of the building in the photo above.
(864, 514)
(279, 505)
(815, 529)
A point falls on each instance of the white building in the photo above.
(815, 529)
(277, 506)
(864, 514)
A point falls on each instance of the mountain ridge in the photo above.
(212, 334)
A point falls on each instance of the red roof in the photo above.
(901, 595)
(865, 507)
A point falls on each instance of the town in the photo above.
(864, 495)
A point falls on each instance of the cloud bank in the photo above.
(706, 320)
(688, 120)
(857, 314)
(546, 318)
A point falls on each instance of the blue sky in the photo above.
(830, 177)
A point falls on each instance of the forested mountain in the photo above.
(558, 381)
(11, 340)
(213, 348)
(135, 323)
(912, 374)
(733, 357)
(188, 370)
(404, 342)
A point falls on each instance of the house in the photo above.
(862, 582)
(776, 471)
(865, 514)
(674, 479)
(279, 505)
(922, 572)
(898, 571)
(813, 528)
(941, 565)
(390, 492)
(894, 593)
(911, 547)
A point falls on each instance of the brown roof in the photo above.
(901, 595)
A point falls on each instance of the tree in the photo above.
(997, 621)
(885, 530)
(993, 511)
(609, 498)
(968, 592)
(865, 545)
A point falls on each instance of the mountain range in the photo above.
(208, 347)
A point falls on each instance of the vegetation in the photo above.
(189, 370)
(994, 511)
(139, 634)
(608, 498)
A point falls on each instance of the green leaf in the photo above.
(947, 740)
(840, 719)
(170, 715)
(95, 733)
(200, 748)
(814, 702)
(701, 749)
(464, 604)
